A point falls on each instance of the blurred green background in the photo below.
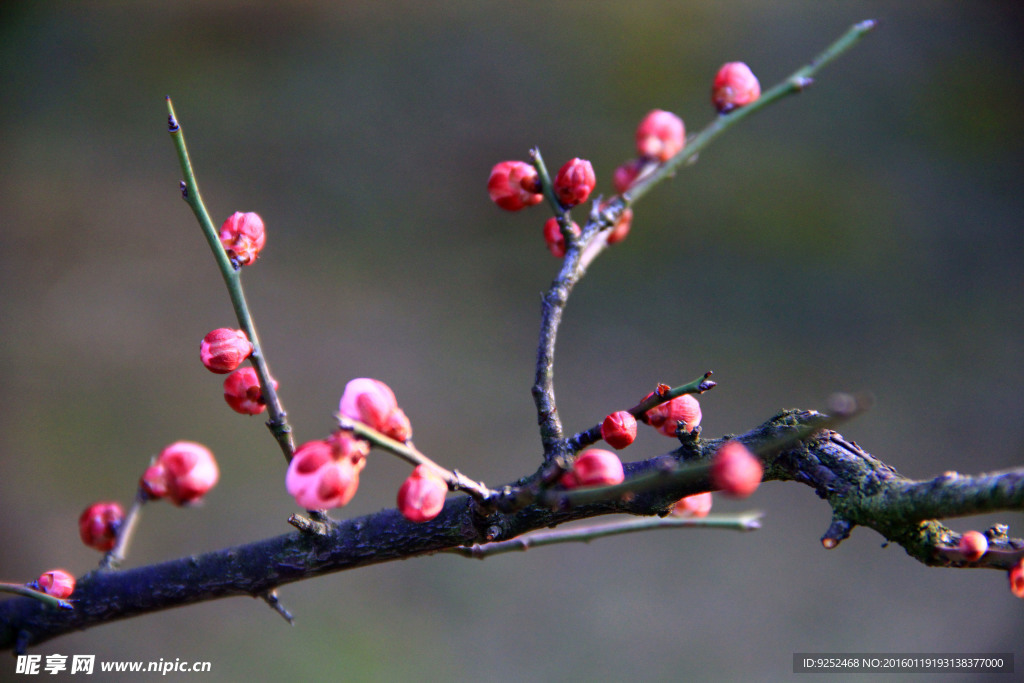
(864, 236)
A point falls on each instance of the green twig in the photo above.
(697, 386)
(406, 451)
(23, 590)
(795, 83)
(115, 556)
(747, 521)
(278, 422)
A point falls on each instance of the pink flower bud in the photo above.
(624, 176)
(1017, 579)
(667, 416)
(514, 185)
(973, 545)
(222, 350)
(185, 470)
(367, 400)
(56, 582)
(397, 426)
(697, 505)
(660, 136)
(554, 238)
(621, 227)
(242, 391)
(619, 429)
(574, 182)
(735, 86)
(99, 523)
(735, 470)
(594, 467)
(243, 237)
(421, 496)
(154, 481)
(325, 473)
(372, 402)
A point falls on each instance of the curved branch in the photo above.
(861, 489)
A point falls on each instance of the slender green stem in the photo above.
(115, 556)
(278, 422)
(406, 451)
(747, 521)
(547, 188)
(697, 386)
(25, 591)
(795, 83)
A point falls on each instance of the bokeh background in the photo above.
(864, 236)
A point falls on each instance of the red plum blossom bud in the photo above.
(514, 185)
(697, 505)
(154, 481)
(574, 182)
(56, 582)
(421, 496)
(222, 350)
(554, 238)
(660, 136)
(372, 402)
(594, 467)
(184, 471)
(242, 392)
(624, 176)
(735, 86)
(621, 227)
(397, 426)
(735, 470)
(667, 416)
(973, 545)
(619, 429)
(243, 237)
(1017, 579)
(325, 473)
(99, 523)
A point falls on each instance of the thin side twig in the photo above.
(278, 422)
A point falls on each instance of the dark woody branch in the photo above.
(861, 490)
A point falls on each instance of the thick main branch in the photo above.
(861, 489)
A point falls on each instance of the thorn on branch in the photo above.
(270, 597)
(310, 526)
(837, 532)
(801, 83)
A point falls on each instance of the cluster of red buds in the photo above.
(325, 473)
(661, 135)
(515, 185)
(223, 350)
(183, 472)
(680, 413)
